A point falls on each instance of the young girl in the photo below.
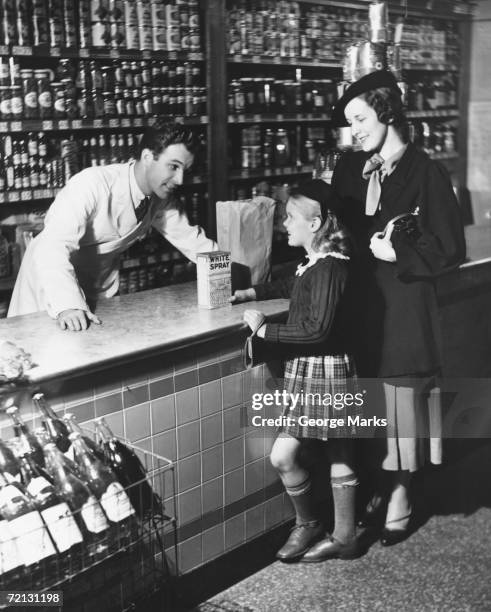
(315, 343)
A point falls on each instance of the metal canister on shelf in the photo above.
(158, 15)
(173, 38)
(70, 32)
(194, 40)
(5, 102)
(56, 38)
(138, 102)
(116, 10)
(378, 18)
(372, 57)
(350, 63)
(172, 15)
(146, 97)
(188, 102)
(30, 92)
(39, 23)
(84, 34)
(136, 72)
(144, 13)
(108, 81)
(99, 10)
(132, 35)
(119, 103)
(146, 73)
(159, 42)
(101, 34)
(145, 34)
(118, 34)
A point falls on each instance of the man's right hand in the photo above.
(75, 319)
(243, 295)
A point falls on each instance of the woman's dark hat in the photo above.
(374, 80)
(322, 192)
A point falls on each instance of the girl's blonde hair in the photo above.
(332, 236)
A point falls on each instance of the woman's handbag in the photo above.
(405, 225)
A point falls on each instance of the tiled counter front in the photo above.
(188, 405)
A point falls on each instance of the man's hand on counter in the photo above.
(243, 295)
(75, 319)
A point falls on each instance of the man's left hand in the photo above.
(382, 248)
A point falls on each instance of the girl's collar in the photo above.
(315, 258)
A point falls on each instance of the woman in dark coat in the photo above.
(398, 333)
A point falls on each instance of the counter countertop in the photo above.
(134, 324)
(153, 321)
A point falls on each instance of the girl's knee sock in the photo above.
(344, 494)
(301, 497)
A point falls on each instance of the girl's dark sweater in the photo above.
(319, 318)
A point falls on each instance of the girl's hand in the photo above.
(243, 295)
(382, 248)
(255, 320)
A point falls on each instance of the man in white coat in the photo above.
(98, 214)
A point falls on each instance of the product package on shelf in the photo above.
(214, 278)
(75, 504)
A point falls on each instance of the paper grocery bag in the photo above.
(245, 228)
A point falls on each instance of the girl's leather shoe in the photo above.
(330, 548)
(300, 540)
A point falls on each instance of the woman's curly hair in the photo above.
(387, 103)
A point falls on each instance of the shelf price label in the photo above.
(146, 54)
(13, 196)
(84, 53)
(256, 59)
(203, 119)
(125, 122)
(55, 51)
(16, 126)
(47, 124)
(172, 55)
(77, 124)
(4, 50)
(280, 117)
(17, 50)
(4, 126)
(138, 122)
(113, 123)
(98, 123)
(2, 196)
(114, 53)
(63, 124)
(256, 117)
(26, 194)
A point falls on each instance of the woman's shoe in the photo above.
(374, 513)
(330, 548)
(301, 538)
(390, 537)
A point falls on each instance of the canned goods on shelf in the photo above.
(132, 36)
(144, 12)
(145, 34)
(101, 34)
(159, 39)
(158, 16)
(99, 10)
(130, 13)
(173, 38)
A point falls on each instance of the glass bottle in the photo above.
(129, 471)
(56, 428)
(8, 463)
(34, 543)
(11, 565)
(27, 440)
(73, 427)
(56, 514)
(110, 493)
(83, 504)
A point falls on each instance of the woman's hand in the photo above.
(243, 295)
(382, 248)
(255, 320)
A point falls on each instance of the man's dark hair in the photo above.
(387, 103)
(162, 134)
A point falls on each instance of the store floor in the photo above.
(444, 566)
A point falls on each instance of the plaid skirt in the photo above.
(321, 385)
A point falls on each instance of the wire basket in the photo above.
(113, 569)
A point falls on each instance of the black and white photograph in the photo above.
(245, 303)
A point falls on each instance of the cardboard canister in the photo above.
(378, 20)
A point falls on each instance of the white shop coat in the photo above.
(91, 222)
